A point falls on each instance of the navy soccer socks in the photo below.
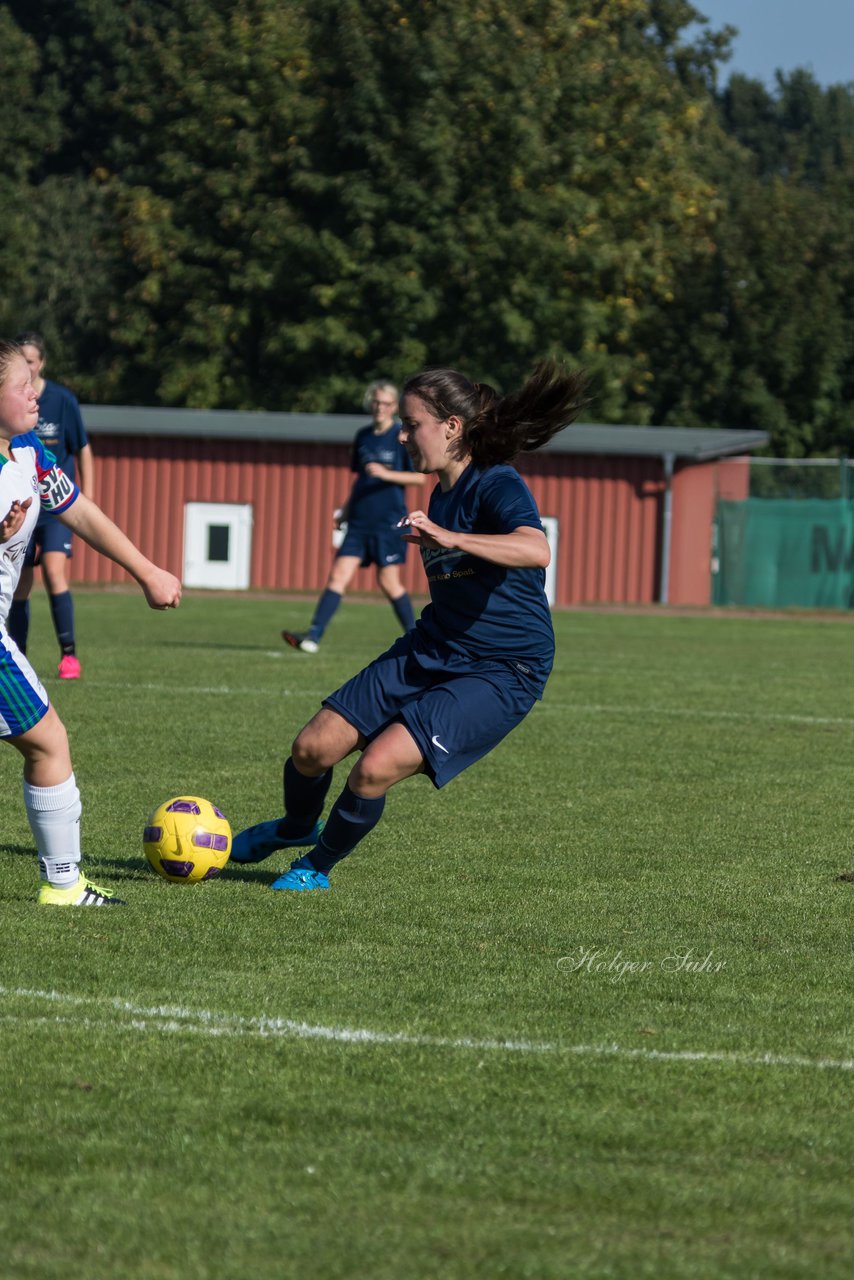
(323, 614)
(403, 609)
(351, 819)
(304, 799)
(62, 610)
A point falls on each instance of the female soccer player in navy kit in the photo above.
(477, 660)
(30, 481)
(371, 513)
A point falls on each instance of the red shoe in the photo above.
(299, 640)
(69, 668)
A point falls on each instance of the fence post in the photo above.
(668, 460)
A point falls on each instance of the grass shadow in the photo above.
(123, 866)
(23, 850)
(250, 875)
(127, 869)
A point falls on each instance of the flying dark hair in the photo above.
(29, 338)
(497, 428)
(8, 351)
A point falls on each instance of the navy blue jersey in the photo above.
(60, 426)
(488, 610)
(376, 503)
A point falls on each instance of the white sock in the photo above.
(54, 817)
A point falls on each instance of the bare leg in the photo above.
(54, 567)
(47, 758)
(342, 573)
(390, 758)
(326, 740)
(53, 810)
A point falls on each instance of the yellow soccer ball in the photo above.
(187, 840)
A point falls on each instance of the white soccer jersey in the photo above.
(30, 472)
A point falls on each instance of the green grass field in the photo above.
(585, 1013)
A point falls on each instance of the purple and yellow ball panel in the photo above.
(187, 840)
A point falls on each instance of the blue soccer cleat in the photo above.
(258, 842)
(301, 878)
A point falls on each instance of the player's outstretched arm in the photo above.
(161, 589)
(380, 472)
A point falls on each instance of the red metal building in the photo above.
(245, 500)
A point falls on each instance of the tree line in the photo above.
(264, 205)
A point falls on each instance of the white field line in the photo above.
(693, 713)
(221, 690)
(579, 708)
(175, 1019)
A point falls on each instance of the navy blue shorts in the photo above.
(52, 535)
(456, 708)
(379, 547)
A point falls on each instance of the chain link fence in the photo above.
(801, 478)
(790, 542)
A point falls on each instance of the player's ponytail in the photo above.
(550, 400)
(497, 428)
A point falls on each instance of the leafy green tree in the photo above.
(304, 196)
(207, 143)
(802, 131)
(164, 193)
(29, 124)
(492, 183)
(68, 294)
(760, 334)
(696, 60)
(67, 271)
(265, 205)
